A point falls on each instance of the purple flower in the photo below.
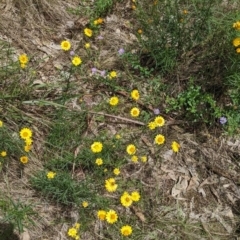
(156, 111)
(223, 120)
(121, 51)
(94, 70)
(72, 53)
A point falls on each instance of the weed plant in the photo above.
(193, 40)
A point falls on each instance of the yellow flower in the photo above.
(22, 65)
(236, 25)
(111, 216)
(72, 232)
(27, 148)
(238, 50)
(159, 121)
(110, 185)
(131, 149)
(76, 61)
(126, 230)
(140, 31)
(134, 158)
(118, 136)
(135, 94)
(135, 112)
(185, 11)
(23, 59)
(65, 45)
(96, 147)
(85, 204)
(175, 146)
(116, 171)
(28, 141)
(101, 215)
(152, 125)
(98, 21)
(113, 101)
(88, 32)
(1, 123)
(77, 225)
(144, 158)
(25, 133)
(135, 196)
(126, 199)
(87, 45)
(99, 161)
(159, 139)
(133, 7)
(112, 74)
(3, 153)
(24, 159)
(236, 42)
(51, 175)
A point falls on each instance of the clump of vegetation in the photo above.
(99, 129)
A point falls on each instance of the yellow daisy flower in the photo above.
(135, 94)
(152, 125)
(111, 216)
(126, 199)
(126, 230)
(72, 232)
(175, 146)
(85, 204)
(1, 123)
(159, 121)
(65, 45)
(134, 158)
(135, 112)
(135, 196)
(3, 153)
(23, 59)
(24, 159)
(27, 148)
(87, 45)
(101, 214)
(96, 147)
(110, 185)
(112, 74)
(28, 141)
(236, 42)
(113, 101)
(159, 139)
(236, 25)
(25, 133)
(76, 61)
(51, 175)
(99, 161)
(116, 171)
(88, 32)
(131, 149)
